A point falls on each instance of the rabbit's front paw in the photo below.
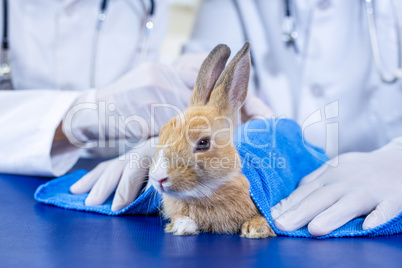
(169, 228)
(257, 227)
(182, 225)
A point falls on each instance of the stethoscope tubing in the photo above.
(5, 66)
(397, 74)
(369, 8)
(149, 24)
(386, 78)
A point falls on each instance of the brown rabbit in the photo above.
(197, 167)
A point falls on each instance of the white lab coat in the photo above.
(333, 77)
(50, 43)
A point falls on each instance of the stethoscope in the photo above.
(5, 63)
(290, 36)
(149, 25)
(397, 73)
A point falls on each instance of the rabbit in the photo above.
(197, 196)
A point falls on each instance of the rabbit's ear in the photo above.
(210, 70)
(231, 88)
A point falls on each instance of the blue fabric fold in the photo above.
(57, 192)
(274, 159)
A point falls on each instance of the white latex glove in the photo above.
(254, 107)
(134, 93)
(127, 173)
(363, 184)
(188, 66)
(123, 110)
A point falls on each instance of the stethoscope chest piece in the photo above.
(5, 70)
(5, 63)
(289, 33)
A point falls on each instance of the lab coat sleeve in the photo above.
(28, 120)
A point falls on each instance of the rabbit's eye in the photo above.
(203, 144)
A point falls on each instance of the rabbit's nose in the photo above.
(162, 181)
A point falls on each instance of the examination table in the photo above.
(38, 235)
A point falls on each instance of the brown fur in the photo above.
(224, 212)
(215, 197)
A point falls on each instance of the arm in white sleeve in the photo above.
(28, 120)
(354, 185)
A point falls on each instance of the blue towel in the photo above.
(274, 160)
(57, 192)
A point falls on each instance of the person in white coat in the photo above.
(70, 52)
(327, 72)
(313, 62)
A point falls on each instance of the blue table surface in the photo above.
(37, 235)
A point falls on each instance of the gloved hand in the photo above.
(254, 107)
(127, 173)
(363, 184)
(123, 110)
(189, 64)
(134, 93)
